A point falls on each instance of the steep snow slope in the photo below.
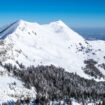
(11, 88)
(54, 43)
(35, 44)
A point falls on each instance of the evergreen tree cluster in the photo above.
(55, 83)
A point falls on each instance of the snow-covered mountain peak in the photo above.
(24, 28)
(58, 27)
(20, 21)
(54, 43)
(58, 22)
(48, 44)
(27, 43)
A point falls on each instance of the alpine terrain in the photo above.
(51, 60)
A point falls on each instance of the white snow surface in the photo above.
(35, 44)
(54, 43)
(12, 89)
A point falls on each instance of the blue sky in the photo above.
(76, 13)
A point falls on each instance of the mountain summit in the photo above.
(24, 44)
(54, 43)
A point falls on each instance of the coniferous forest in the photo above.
(54, 83)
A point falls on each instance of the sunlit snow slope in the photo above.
(54, 43)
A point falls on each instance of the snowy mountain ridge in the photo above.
(51, 44)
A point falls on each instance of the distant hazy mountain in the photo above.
(92, 33)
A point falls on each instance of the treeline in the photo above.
(55, 83)
(92, 70)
